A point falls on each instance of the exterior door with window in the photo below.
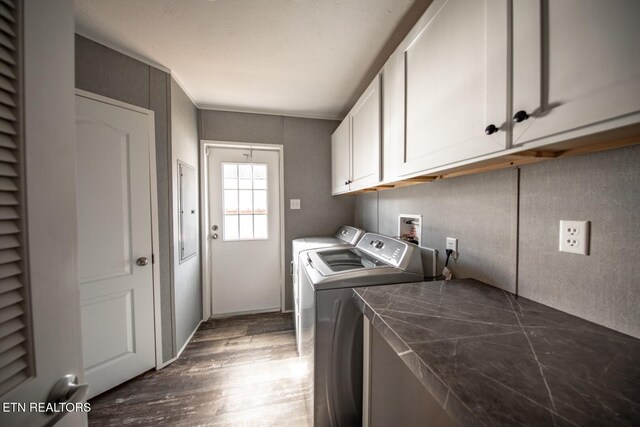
(244, 214)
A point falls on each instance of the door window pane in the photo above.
(246, 226)
(260, 228)
(231, 227)
(260, 177)
(230, 176)
(245, 175)
(230, 183)
(245, 201)
(230, 202)
(260, 202)
(230, 170)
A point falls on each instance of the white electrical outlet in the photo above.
(452, 243)
(574, 237)
(294, 203)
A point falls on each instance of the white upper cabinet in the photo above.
(455, 84)
(393, 116)
(341, 158)
(479, 80)
(355, 145)
(365, 138)
(576, 67)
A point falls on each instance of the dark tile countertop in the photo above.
(491, 358)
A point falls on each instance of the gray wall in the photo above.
(307, 169)
(184, 148)
(507, 224)
(479, 210)
(109, 73)
(603, 287)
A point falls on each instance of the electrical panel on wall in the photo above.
(188, 216)
(410, 228)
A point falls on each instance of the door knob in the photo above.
(142, 261)
(65, 390)
(520, 116)
(214, 236)
(491, 129)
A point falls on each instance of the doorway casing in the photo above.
(204, 218)
(155, 233)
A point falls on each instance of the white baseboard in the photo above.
(241, 313)
(165, 364)
(218, 316)
(170, 361)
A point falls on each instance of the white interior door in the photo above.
(244, 218)
(42, 82)
(114, 241)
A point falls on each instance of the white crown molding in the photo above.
(269, 112)
(123, 51)
(174, 76)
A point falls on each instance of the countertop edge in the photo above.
(488, 357)
(440, 391)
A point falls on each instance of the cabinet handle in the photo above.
(491, 129)
(520, 116)
(346, 183)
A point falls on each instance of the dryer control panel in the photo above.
(383, 247)
(349, 234)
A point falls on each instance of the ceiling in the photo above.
(294, 57)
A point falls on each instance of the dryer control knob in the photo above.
(377, 244)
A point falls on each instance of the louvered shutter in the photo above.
(15, 365)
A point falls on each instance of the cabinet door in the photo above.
(455, 83)
(365, 138)
(394, 395)
(393, 116)
(341, 158)
(576, 67)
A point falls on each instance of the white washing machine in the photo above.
(345, 236)
(331, 324)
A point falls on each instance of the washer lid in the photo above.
(343, 261)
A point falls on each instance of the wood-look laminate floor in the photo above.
(239, 371)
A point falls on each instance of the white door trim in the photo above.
(153, 189)
(204, 219)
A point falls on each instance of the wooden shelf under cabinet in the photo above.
(622, 137)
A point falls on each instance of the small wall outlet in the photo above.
(452, 243)
(294, 203)
(574, 237)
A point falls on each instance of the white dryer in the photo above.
(345, 236)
